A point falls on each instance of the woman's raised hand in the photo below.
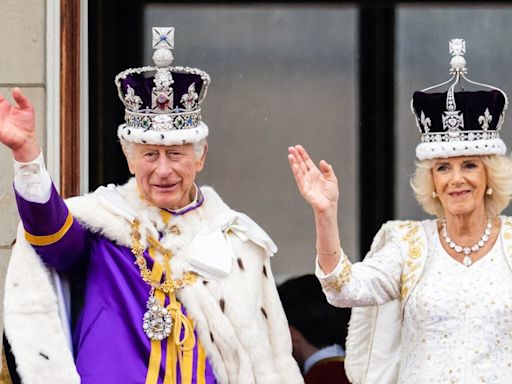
(17, 127)
(318, 185)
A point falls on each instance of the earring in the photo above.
(434, 195)
(489, 191)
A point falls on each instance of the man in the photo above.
(318, 330)
(177, 286)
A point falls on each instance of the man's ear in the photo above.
(129, 161)
(201, 160)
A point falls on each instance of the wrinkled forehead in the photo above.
(176, 147)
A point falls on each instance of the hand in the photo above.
(319, 186)
(17, 127)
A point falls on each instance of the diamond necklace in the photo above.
(467, 250)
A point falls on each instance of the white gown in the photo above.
(457, 320)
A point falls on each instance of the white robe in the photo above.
(238, 317)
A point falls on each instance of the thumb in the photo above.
(21, 100)
(326, 169)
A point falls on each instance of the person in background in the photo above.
(318, 330)
(178, 287)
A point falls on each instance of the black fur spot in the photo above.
(265, 271)
(240, 264)
(264, 312)
(13, 242)
(205, 282)
(44, 355)
(222, 303)
(211, 337)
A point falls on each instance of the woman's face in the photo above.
(460, 183)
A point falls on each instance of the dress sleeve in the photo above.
(59, 239)
(374, 281)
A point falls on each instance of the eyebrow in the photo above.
(470, 160)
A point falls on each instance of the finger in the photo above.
(297, 159)
(305, 157)
(294, 166)
(300, 159)
(299, 178)
(4, 106)
(297, 173)
(21, 100)
(327, 170)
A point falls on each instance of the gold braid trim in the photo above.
(336, 283)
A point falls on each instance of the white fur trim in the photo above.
(173, 137)
(246, 338)
(31, 315)
(446, 149)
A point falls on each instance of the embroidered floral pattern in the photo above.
(336, 283)
(415, 251)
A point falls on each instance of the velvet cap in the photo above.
(162, 102)
(459, 123)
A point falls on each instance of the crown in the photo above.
(162, 103)
(462, 123)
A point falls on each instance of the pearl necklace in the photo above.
(467, 250)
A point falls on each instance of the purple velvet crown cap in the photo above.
(163, 102)
(472, 106)
(143, 87)
(470, 128)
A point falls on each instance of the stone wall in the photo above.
(22, 64)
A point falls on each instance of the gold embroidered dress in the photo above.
(453, 322)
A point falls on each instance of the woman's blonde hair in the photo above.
(499, 178)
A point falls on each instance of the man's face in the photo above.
(165, 174)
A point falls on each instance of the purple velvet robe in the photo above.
(109, 343)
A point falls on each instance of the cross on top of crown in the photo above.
(163, 38)
(457, 47)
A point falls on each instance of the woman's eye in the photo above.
(470, 165)
(442, 168)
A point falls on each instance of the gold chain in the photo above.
(169, 285)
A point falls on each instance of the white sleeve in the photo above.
(32, 181)
(374, 281)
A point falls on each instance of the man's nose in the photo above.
(164, 168)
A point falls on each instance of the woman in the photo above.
(447, 282)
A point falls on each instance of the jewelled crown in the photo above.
(459, 123)
(162, 103)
